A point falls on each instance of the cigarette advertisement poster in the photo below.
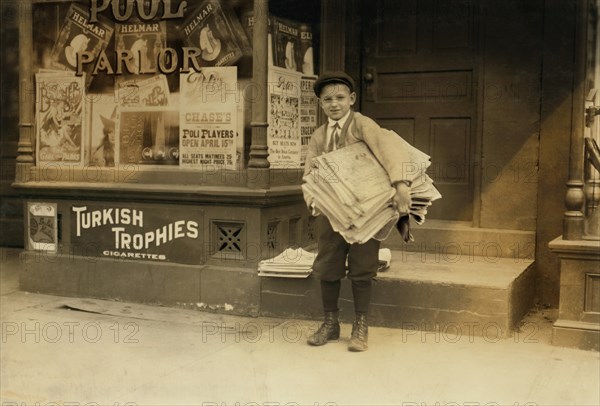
(287, 44)
(140, 233)
(308, 113)
(216, 30)
(60, 114)
(283, 133)
(78, 35)
(149, 136)
(210, 118)
(42, 230)
(144, 41)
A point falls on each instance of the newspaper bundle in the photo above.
(291, 263)
(297, 263)
(354, 191)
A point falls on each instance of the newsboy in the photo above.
(337, 96)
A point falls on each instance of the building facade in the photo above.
(500, 94)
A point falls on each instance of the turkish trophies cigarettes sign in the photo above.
(208, 118)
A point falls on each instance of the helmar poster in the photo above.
(283, 133)
(78, 35)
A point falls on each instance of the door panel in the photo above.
(418, 80)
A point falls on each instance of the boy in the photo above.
(335, 91)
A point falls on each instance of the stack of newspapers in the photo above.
(354, 191)
(291, 263)
(297, 263)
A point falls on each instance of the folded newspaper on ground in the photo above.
(291, 263)
(351, 188)
(297, 263)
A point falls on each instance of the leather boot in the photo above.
(360, 334)
(329, 330)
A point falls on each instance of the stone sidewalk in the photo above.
(60, 351)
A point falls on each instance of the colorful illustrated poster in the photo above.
(149, 136)
(78, 35)
(308, 113)
(60, 116)
(42, 226)
(152, 92)
(145, 41)
(104, 116)
(210, 118)
(215, 29)
(283, 133)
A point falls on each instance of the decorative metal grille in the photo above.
(228, 239)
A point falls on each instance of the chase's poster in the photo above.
(60, 117)
(209, 118)
(215, 29)
(78, 35)
(283, 133)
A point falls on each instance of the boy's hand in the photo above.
(402, 199)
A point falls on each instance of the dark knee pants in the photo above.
(330, 264)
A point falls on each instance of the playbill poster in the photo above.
(42, 230)
(308, 113)
(209, 118)
(78, 35)
(283, 133)
(60, 117)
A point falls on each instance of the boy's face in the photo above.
(336, 99)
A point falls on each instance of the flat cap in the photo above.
(328, 78)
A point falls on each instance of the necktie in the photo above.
(335, 138)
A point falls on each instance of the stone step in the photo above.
(467, 295)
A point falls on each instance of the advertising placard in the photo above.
(140, 233)
(209, 118)
(308, 113)
(283, 133)
(42, 226)
(60, 115)
(78, 35)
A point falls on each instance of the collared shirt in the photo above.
(341, 122)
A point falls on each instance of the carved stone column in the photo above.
(25, 151)
(258, 165)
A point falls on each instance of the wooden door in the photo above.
(418, 79)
